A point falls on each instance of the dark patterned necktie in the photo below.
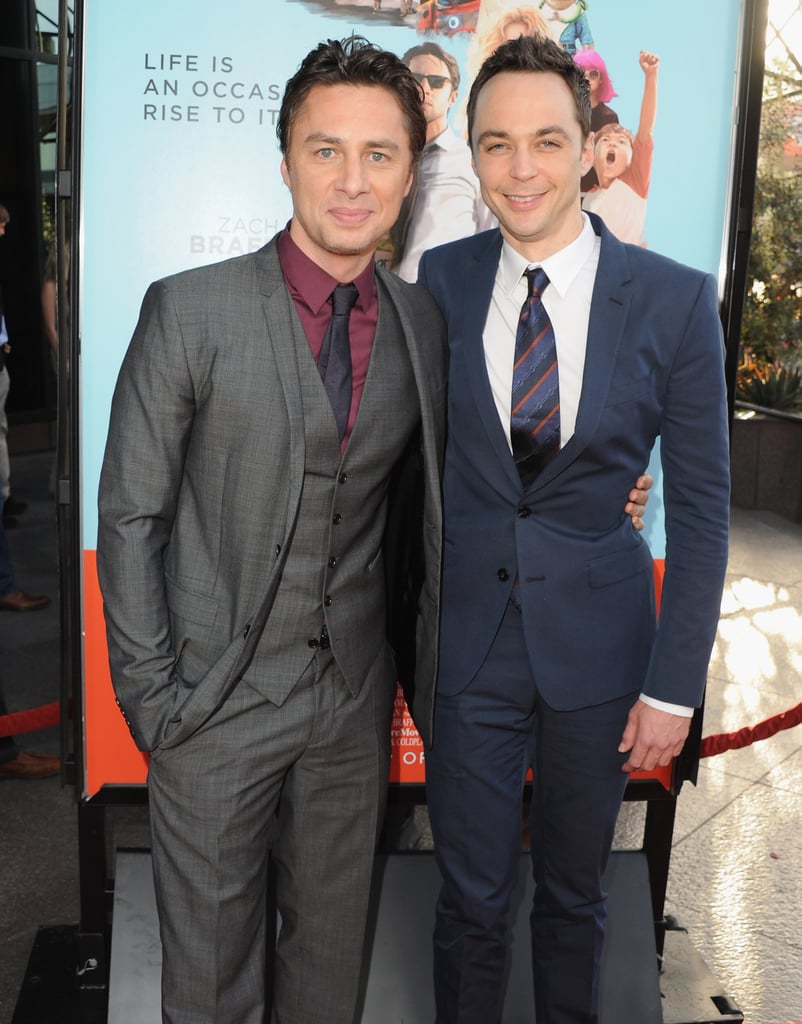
(334, 361)
(535, 413)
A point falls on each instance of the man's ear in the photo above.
(588, 152)
(285, 174)
(409, 181)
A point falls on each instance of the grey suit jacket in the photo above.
(202, 477)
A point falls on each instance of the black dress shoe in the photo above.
(13, 507)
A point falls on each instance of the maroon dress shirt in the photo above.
(310, 288)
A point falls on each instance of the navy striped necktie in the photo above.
(535, 413)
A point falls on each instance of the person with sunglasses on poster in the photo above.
(445, 202)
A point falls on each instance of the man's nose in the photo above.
(352, 178)
(524, 163)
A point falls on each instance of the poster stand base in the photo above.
(397, 985)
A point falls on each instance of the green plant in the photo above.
(772, 385)
(772, 323)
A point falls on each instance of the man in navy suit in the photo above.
(550, 652)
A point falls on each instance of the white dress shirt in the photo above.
(567, 298)
(448, 203)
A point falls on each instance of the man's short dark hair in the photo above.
(354, 61)
(533, 54)
(433, 50)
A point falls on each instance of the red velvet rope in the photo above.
(30, 720)
(746, 737)
(48, 714)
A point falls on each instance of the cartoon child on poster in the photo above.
(623, 164)
(568, 23)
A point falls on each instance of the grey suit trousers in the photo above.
(307, 779)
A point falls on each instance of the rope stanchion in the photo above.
(745, 737)
(29, 721)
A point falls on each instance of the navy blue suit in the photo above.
(544, 672)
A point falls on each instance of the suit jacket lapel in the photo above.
(286, 334)
(477, 280)
(432, 419)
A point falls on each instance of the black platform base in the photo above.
(398, 986)
(51, 991)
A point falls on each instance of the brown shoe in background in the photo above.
(19, 601)
(28, 765)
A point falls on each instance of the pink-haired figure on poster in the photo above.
(600, 85)
(601, 90)
(623, 165)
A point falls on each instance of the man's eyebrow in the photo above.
(498, 133)
(492, 133)
(335, 140)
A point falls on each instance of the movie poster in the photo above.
(180, 167)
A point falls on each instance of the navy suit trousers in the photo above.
(485, 739)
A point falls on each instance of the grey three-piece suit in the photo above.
(225, 501)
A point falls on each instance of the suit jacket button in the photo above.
(327, 601)
(343, 478)
(314, 642)
(337, 519)
(524, 511)
(503, 575)
(332, 562)
(278, 550)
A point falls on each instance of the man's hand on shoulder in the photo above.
(638, 499)
(652, 737)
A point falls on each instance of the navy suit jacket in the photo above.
(654, 367)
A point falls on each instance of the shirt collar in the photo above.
(562, 266)
(447, 140)
(311, 283)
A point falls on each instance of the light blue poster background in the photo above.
(180, 164)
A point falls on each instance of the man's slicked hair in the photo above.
(354, 61)
(533, 54)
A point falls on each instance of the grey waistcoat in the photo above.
(334, 570)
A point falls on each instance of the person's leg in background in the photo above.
(5, 468)
(11, 598)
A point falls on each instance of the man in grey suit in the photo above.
(248, 528)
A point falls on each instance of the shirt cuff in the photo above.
(673, 709)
